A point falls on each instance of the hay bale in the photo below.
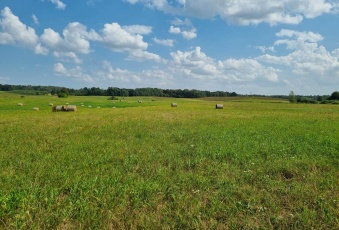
(35, 108)
(58, 108)
(64, 108)
(20, 104)
(174, 104)
(219, 106)
(50, 104)
(73, 108)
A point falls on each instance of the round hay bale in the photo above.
(20, 104)
(219, 106)
(58, 108)
(174, 104)
(71, 108)
(35, 108)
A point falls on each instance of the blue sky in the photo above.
(251, 46)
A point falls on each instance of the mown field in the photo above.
(256, 164)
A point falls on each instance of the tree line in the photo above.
(324, 99)
(114, 91)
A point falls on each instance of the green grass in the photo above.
(256, 164)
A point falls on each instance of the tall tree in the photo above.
(334, 96)
(291, 97)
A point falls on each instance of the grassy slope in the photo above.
(254, 164)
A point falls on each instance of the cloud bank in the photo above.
(245, 12)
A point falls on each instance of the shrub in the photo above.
(113, 98)
(63, 93)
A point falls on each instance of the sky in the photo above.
(267, 47)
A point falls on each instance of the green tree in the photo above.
(334, 96)
(63, 93)
(291, 97)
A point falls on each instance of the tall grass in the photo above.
(254, 164)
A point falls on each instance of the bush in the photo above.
(307, 100)
(62, 95)
(113, 98)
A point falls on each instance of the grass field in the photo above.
(256, 164)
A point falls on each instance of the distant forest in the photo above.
(113, 91)
(156, 92)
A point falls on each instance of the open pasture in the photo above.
(256, 164)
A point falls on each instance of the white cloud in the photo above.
(35, 19)
(189, 34)
(140, 55)
(158, 74)
(59, 69)
(147, 78)
(67, 57)
(128, 39)
(116, 38)
(246, 12)
(247, 70)
(52, 39)
(300, 36)
(335, 53)
(15, 32)
(108, 73)
(174, 30)
(164, 42)
(162, 5)
(183, 27)
(39, 49)
(264, 49)
(138, 29)
(76, 73)
(59, 4)
(6, 38)
(75, 38)
(196, 64)
(307, 59)
(179, 22)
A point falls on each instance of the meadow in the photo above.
(256, 164)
